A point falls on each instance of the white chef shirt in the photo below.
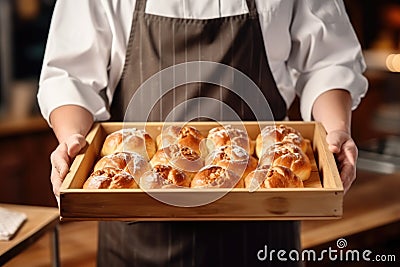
(310, 44)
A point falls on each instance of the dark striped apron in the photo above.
(156, 43)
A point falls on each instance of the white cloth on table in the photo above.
(10, 222)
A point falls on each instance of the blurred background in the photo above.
(23, 29)
(26, 141)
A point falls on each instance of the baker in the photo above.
(100, 53)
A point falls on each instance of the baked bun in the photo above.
(129, 140)
(255, 179)
(289, 155)
(131, 162)
(182, 158)
(273, 177)
(116, 160)
(228, 135)
(212, 176)
(282, 177)
(234, 158)
(164, 176)
(187, 136)
(110, 178)
(272, 134)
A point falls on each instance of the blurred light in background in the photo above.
(393, 62)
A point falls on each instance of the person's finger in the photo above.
(60, 160)
(350, 151)
(347, 163)
(347, 174)
(58, 200)
(59, 167)
(56, 181)
(341, 143)
(336, 139)
(75, 144)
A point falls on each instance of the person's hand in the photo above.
(61, 159)
(342, 145)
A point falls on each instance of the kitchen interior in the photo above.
(371, 218)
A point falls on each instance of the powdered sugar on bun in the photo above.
(110, 178)
(228, 135)
(213, 176)
(164, 176)
(131, 162)
(273, 177)
(288, 155)
(234, 158)
(187, 136)
(180, 157)
(272, 134)
(129, 140)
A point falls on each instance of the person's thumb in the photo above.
(336, 139)
(75, 143)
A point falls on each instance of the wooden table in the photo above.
(373, 201)
(39, 221)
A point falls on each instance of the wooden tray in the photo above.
(322, 197)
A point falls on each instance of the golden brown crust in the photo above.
(110, 178)
(129, 140)
(234, 158)
(289, 155)
(116, 160)
(164, 176)
(282, 177)
(282, 133)
(137, 166)
(182, 158)
(187, 136)
(212, 176)
(131, 162)
(228, 135)
(273, 177)
(255, 179)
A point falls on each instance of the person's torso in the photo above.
(216, 69)
(275, 18)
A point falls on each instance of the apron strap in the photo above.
(140, 5)
(251, 5)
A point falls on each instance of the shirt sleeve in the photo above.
(76, 59)
(325, 53)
